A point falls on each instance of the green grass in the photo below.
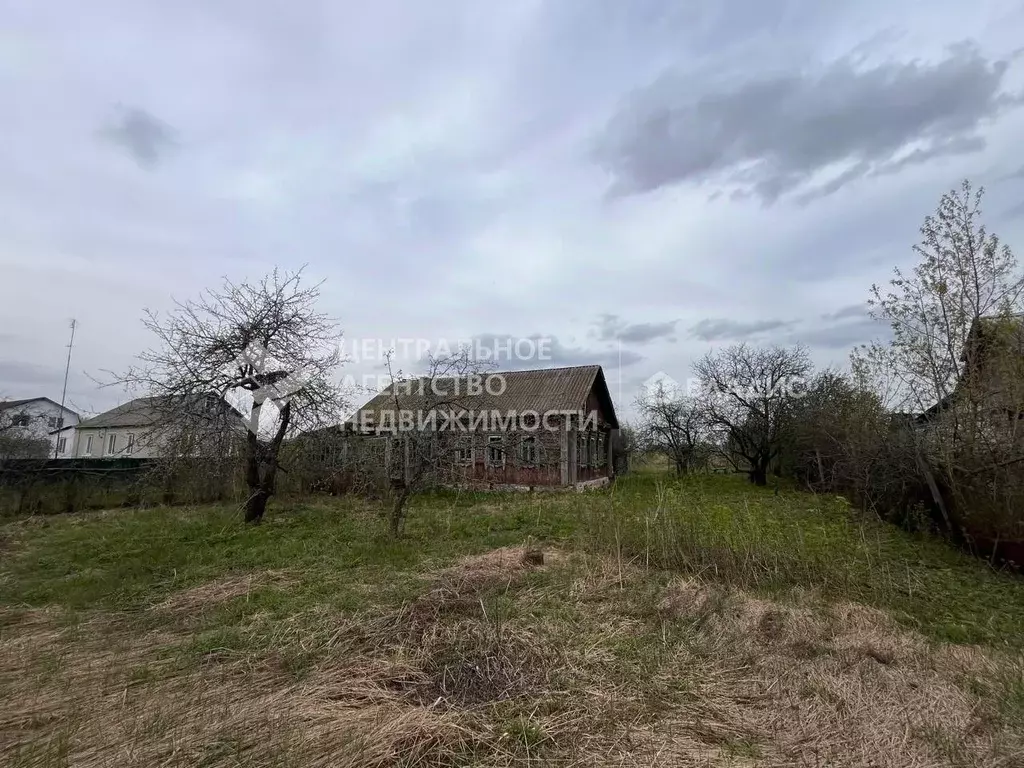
(718, 527)
(127, 558)
(724, 529)
(320, 588)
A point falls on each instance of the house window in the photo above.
(602, 454)
(495, 454)
(581, 450)
(464, 453)
(528, 450)
(130, 448)
(88, 446)
(62, 444)
(21, 420)
(111, 444)
(592, 450)
(424, 447)
(52, 421)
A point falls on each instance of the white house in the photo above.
(43, 419)
(136, 429)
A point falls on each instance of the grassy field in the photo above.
(694, 622)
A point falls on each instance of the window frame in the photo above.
(111, 444)
(62, 444)
(495, 443)
(88, 445)
(464, 453)
(129, 449)
(528, 445)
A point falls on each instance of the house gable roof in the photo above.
(983, 332)
(142, 412)
(544, 390)
(8, 404)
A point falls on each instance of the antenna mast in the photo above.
(64, 392)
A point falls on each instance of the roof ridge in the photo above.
(522, 370)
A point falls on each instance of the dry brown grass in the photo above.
(845, 685)
(221, 590)
(503, 662)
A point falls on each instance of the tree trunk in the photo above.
(759, 474)
(398, 511)
(255, 506)
(263, 484)
(933, 488)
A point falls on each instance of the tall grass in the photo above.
(779, 540)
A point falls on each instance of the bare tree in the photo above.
(262, 341)
(746, 393)
(22, 434)
(428, 450)
(673, 425)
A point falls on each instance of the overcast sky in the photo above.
(637, 181)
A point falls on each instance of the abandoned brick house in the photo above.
(549, 427)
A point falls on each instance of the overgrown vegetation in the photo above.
(923, 430)
(673, 621)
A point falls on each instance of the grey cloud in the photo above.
(833, 330)
(958, 145)
(614, 328)
(1015, 212)
(21, 378)
(842, 329)
(768, 137)
(25, 373)
(145, 137)
(550, 352)
(1018, 174)
(723, 329)
(839, 335)
(856, 311)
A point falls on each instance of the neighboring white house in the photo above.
(131, 430)
(124, 431)
(42, 418)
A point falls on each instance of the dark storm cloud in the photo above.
(723, 329)
(770, 136)
(145, 137)
(614, 328)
